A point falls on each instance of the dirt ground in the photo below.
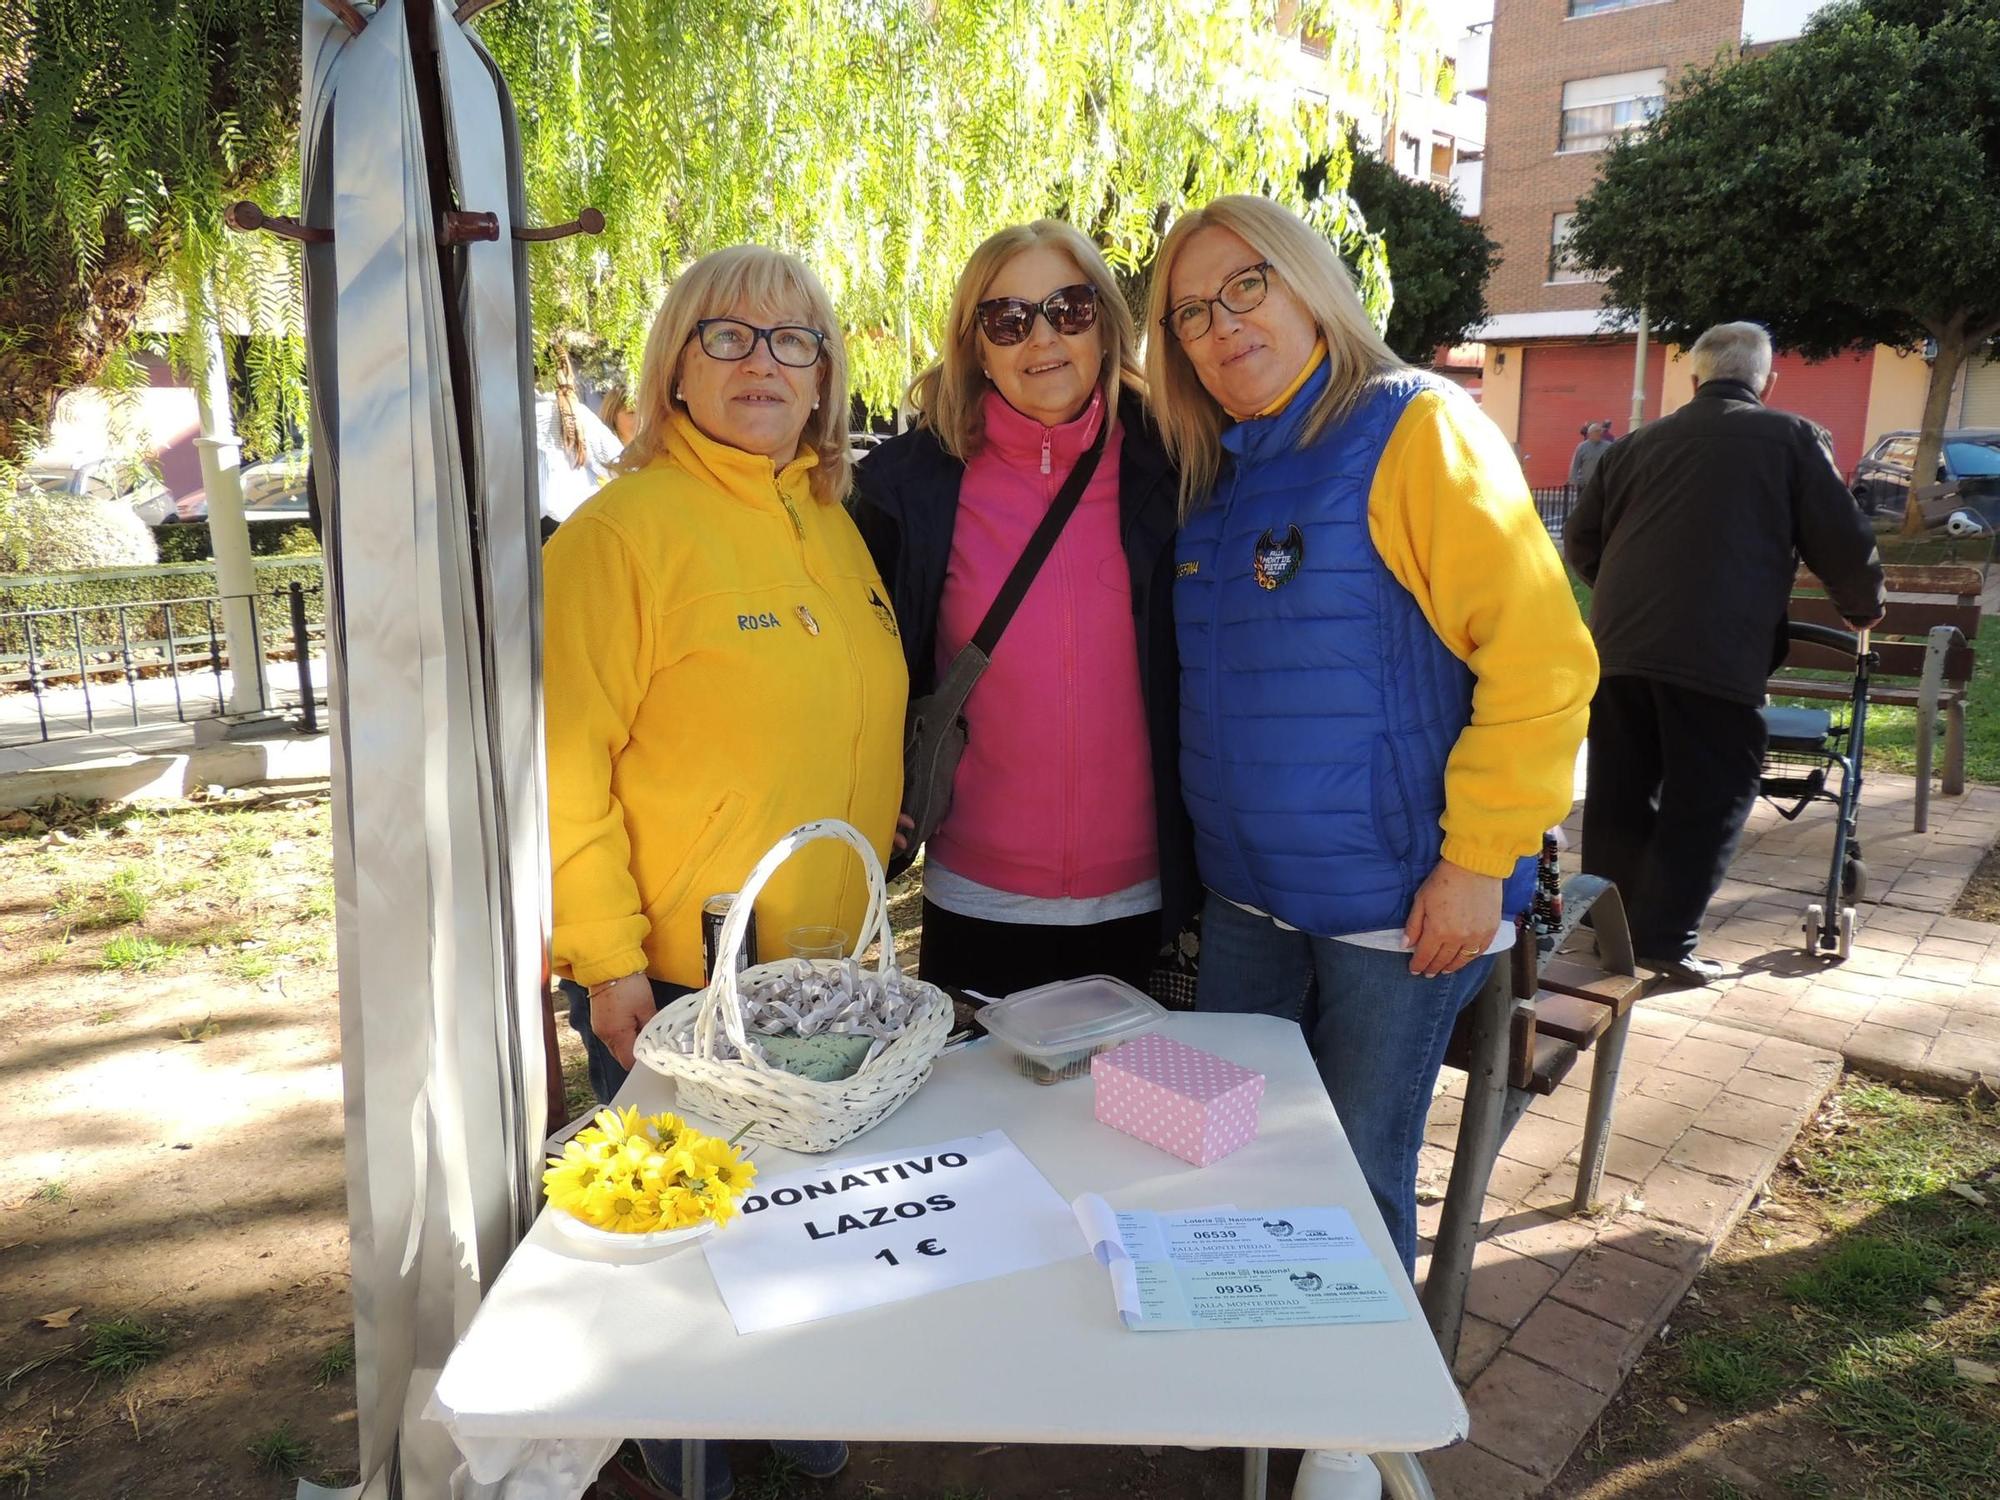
(1844, 1340)
(173, 1229)
(171, 1170)
(1980, 900)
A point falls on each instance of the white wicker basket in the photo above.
(797, 1113)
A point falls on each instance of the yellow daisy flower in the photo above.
(680, 1209)
(717, 1202)
(618, 1124)
(663, 1130)
(570, 1174)
(621, 1206)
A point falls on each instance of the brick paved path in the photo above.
(1715, 1086)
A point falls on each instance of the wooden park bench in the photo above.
(1924, 650)
(1515, 1043)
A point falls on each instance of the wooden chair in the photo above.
(1516, 1042)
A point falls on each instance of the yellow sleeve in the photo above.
(1451, 516)
(597, 641)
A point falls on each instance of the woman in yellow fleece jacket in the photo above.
(720, 660)
(720, 664)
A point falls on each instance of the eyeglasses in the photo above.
(1069, 309)
(731, 340)
(1244, 290)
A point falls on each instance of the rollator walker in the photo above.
(1806, 745)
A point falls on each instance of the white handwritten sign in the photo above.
(858, 1233)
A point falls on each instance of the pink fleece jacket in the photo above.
(1054, 795)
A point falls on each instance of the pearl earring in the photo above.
(815, 406)
(681, 395)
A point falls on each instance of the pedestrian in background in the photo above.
(1689, 533)
(1583, 463)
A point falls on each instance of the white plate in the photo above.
(613, 1239)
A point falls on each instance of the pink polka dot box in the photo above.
(1198, 1106)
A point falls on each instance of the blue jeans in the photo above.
(1377, 1031)
(607, 1077)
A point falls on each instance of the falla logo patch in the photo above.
(1276, 562)
(883, 613)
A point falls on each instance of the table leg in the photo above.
(694, 1468)
(1403, 1478)
(1256, 1472)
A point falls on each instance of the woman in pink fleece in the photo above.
(1066, 850)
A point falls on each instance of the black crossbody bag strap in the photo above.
(1040, 545)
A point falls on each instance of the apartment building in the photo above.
(1400, 88)
(1563, 79)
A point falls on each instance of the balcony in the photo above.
(1473, 50)
(1470, 178)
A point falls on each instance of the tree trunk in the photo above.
(1952, 349)
(75, 324)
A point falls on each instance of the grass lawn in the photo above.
(1845, 1340)
(1892, 732)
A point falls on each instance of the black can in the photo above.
(714, 912)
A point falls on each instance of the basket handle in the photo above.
(722, 1001)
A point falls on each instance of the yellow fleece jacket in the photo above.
(1450, 515)
(720, 665)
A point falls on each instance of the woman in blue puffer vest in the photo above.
(1384, 678)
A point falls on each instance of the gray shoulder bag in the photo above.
(935, 731)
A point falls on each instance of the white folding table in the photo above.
(573, 1351)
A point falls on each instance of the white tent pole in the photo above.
(228, 532)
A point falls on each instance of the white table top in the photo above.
(567, 1347)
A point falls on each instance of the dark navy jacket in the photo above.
(906, 506)
(1318, 707)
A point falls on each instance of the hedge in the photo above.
(187, 541)
(147, 590)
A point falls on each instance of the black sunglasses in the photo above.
(1069, 309)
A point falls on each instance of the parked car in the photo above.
(94, 480)
(1969, 460)
(274, 489)
(99, 480)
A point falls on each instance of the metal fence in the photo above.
(1554, 506)
(92, 667)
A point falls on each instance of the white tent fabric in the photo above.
(433, 572)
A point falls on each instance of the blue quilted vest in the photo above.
(1318, 706)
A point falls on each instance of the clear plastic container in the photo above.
(1055, 1029)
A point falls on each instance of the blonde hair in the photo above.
(949, 397)
(718, 282)
(611, 406)
(1191, 420)
(569, 435)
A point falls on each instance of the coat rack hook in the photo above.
(246, 217)
(348, 16)
(590, 221)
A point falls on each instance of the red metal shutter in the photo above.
(1563, 386)
(1834, 393)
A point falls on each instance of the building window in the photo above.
(1561, 266)
(1596, 111)
(1599, 7)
